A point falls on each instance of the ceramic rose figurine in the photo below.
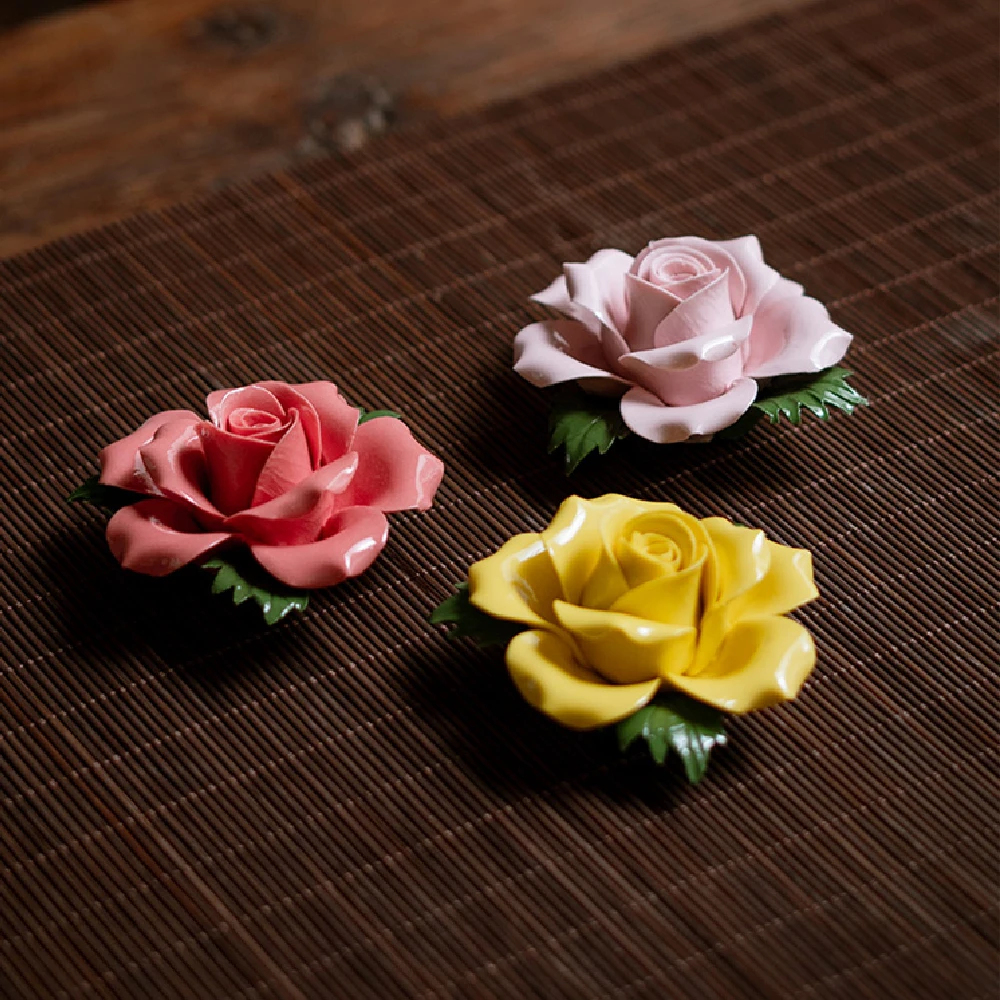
(685, 339)
(283, 486)
(637, 615)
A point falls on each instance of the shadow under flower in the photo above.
(472, 706)
(508, 435)
(122, 623)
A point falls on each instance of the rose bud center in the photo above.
(680, 272)
(660, 548)
(248, 422)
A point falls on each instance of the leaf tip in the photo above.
(255, 585)
(679, 723)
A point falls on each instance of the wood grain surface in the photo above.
(133, 105)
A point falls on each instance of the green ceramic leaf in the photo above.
(93, 491)
(673, 721)
(464, 619)
(249, 582)
(372, 414)
(816, 393)
(581, 423)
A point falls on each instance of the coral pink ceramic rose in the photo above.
(285, 470)
(685, 330)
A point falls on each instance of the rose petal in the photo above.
(759, 277)
(574, 542)
(694, 371)
(742, 557)
(298, 516)
(560, 351)
(351, 541)
(704, 313)
(648, 306)
(673, 262)
(794, 334)
(175, 463)
(606, 582)
(652, 419)
(338, 419)
(625, 649)
(555, 296)
(517, 583)
(787, 585)
(591, 292)
(760, 342)
(156, 537)
(671, 599)
(760, 663)
(613, 346)
(545, 671)
(642, 564)
(394, 471)
(119, 461)
(290, 461)
(597, 289)
(234, 464)
(756, 578)
(782, 289)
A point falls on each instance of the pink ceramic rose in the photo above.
(684, 331)
(284, 470)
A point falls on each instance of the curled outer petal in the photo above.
(760, 662)
(545, 670)
(156, 537)
(793, 333)
(394, 471)
(652, 419)
(174, 462)
(120, 463)
(626, 649)
(574, 542)
(560, 351)
(351, 540)
(592, 292)
(757, 578)
(517, 583)
(742, 558)
(761, 576)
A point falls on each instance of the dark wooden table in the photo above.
(126, 106)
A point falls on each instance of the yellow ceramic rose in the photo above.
(621, 598)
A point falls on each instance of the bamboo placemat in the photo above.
(348, 805)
